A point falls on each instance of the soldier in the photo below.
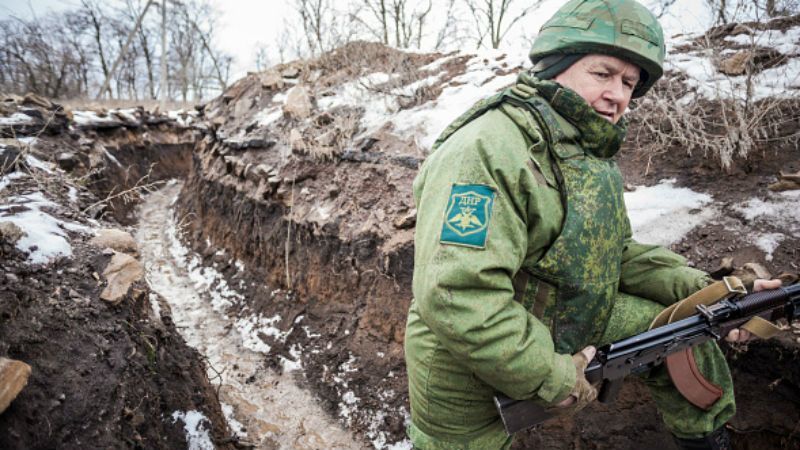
(523, 248)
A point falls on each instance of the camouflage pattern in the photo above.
(632, 315)
(621, 28)
(471, 329)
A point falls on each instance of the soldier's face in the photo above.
(605, 82)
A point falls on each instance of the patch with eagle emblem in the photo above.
(466, 220)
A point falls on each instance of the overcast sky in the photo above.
(246, 23)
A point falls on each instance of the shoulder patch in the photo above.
(466, 219)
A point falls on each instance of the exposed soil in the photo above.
(103, 376)
(325, 232)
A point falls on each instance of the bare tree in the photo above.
(494, 19)
(727, 11)
(401, 23)
(324, 27)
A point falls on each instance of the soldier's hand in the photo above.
(742, 335)
(582, 393)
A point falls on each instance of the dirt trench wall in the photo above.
(341, 253)
(138, 158)
(103, 376)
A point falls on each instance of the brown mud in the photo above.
(103, 375)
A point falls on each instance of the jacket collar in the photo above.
(596, 135)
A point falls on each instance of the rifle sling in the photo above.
(682, 366)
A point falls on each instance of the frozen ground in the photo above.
(269, 410)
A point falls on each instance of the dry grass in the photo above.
(730, 125)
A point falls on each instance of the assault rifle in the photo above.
(642, 352)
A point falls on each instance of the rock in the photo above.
(115, 239)
(271, 80)
(13, 378)
(407, 221)
(290, 72)
(66, 161)
(10, 232)
(33, 99)
(298, 103)
(296, 142)
(736, 64)
(257, 172)
(784, 185)
(741, 28)
(12, 278)
(757, 60)
(788, 278)
(121, 273)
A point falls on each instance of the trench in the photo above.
(358, 309)
(269, 410)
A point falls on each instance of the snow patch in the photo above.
(268, 115)
(779, 209)
(45, 236)
(425, 122)
(238, 429)
(183, 117)
(204, 279)
(663, 214)
(112, 158)
(8, 179)
(253, 327)
(91, 118)
(196, 426)
(769, 242)
(34, 162)
(16, 119)
(154, 305)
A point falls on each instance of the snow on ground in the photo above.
(6, 180)
(16, 119)
(46, 237)
(663, 214)
(196, 426)
(91, 118)
(236, 427)
(268, 115)
(426, 121)
(274, 410)
(780, 209)
(768, 242)
(780, 81)
(183, 117)
(480, 79)
(34, 162)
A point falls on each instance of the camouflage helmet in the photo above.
(621, 28)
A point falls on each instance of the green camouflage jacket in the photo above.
(489, 203)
